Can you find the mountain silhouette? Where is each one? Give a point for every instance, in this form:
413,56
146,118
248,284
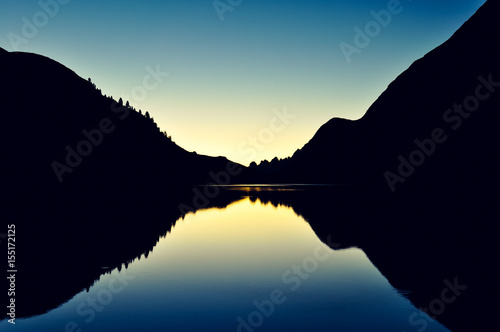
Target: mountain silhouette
61,133
410,109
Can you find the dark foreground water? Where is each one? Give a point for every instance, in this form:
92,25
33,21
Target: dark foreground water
247,267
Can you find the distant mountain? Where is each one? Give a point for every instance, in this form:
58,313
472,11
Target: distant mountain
455,87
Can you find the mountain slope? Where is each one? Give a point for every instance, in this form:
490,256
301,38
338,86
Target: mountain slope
411,108
48,112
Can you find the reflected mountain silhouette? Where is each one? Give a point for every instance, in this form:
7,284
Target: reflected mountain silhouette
60,258
417,254
414,256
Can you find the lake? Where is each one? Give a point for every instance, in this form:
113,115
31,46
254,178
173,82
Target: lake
250,266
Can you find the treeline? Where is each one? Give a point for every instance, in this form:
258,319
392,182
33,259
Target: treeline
131,108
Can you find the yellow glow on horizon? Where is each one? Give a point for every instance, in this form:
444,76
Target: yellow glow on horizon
256,232
248,133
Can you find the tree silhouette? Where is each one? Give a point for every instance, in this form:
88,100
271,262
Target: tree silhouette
147,115
166,135
120,102
93,84
127,104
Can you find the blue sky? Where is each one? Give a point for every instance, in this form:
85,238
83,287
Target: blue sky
228,79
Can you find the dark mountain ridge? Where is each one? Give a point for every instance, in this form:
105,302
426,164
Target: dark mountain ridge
412,106
46,109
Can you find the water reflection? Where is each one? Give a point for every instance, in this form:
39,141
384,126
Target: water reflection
249,267
262,187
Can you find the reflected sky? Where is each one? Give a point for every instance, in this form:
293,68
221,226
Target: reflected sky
217,267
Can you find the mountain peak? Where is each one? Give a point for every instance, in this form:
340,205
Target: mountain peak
414,104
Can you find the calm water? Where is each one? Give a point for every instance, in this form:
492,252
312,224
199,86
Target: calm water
248,267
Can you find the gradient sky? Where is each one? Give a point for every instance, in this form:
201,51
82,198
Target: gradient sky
228,78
